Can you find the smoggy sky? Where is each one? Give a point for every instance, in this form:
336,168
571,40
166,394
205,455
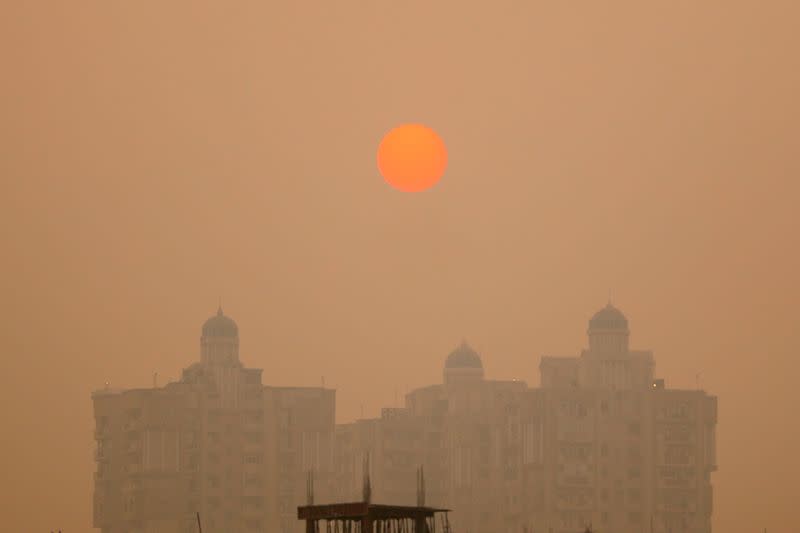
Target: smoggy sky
155,156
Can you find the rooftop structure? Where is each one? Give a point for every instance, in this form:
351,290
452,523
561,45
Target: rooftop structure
365,516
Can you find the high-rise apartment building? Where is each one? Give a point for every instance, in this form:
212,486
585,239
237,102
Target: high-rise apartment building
463,432
600,442
217,442
605,443
300,438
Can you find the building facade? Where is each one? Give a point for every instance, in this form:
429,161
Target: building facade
605,443
217,442
601,441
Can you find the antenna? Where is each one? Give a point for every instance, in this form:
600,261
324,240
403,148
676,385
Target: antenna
199,526
155,380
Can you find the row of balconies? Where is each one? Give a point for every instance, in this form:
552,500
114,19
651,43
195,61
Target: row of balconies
101,455
673,507
131,425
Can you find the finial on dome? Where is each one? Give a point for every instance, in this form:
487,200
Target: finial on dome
219,308
608,318
463,357
220,325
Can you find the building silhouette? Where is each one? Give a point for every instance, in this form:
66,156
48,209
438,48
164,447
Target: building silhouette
604,442
217,442
601,441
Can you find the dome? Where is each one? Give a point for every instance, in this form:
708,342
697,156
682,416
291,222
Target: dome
220,325
463,357
609,317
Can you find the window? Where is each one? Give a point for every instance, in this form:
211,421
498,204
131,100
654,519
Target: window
254,437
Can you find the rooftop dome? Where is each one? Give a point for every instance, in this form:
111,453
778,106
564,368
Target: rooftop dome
608,317
220,325
463,357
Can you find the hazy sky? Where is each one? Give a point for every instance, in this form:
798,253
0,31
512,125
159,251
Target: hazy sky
157,155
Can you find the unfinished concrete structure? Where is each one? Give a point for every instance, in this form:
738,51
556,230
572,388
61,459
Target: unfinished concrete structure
367,517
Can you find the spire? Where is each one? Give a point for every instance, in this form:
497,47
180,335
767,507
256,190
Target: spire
219,308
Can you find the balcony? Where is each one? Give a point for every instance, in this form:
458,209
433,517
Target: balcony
253,490
132,486
132,512
574,481
254,525
252,447
677,507
251,511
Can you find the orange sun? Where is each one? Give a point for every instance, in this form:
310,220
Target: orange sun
412,157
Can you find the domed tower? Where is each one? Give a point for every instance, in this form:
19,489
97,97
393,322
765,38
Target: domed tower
463,365
608,331
219,343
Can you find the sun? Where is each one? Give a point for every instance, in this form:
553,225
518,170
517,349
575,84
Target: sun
412,157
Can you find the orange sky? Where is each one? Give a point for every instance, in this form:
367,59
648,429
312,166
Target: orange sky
154,156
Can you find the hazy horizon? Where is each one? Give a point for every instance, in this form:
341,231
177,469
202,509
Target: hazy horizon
157,158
